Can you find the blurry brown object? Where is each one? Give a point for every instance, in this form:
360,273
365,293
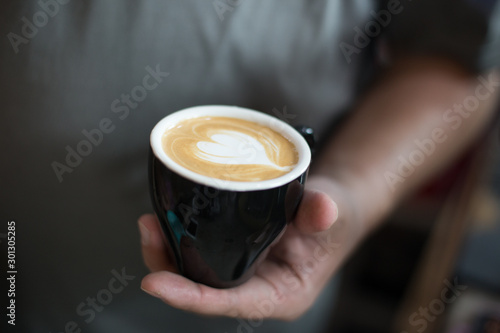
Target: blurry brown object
406,264
439,255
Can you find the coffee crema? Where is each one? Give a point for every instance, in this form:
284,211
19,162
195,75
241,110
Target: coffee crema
229,149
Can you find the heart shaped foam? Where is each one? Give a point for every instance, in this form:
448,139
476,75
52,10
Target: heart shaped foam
235,148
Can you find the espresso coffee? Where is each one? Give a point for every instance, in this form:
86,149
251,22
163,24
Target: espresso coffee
229,149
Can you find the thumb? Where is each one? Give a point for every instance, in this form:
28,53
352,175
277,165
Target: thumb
317,212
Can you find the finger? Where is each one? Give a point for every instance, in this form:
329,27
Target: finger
317,212
154,249
257,298
185,294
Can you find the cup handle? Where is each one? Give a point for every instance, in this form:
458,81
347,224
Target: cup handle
308,134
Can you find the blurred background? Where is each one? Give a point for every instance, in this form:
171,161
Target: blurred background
435,266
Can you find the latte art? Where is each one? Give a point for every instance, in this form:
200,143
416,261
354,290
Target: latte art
229,149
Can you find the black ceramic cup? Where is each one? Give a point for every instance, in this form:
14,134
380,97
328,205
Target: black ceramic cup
219,230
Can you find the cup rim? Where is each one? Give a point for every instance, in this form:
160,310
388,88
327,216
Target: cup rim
234,112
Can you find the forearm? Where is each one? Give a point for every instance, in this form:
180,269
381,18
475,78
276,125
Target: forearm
408,104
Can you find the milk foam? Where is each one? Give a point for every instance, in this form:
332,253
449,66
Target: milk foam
229,147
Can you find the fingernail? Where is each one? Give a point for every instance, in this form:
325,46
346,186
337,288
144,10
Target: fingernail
145,234
151,293
336,215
